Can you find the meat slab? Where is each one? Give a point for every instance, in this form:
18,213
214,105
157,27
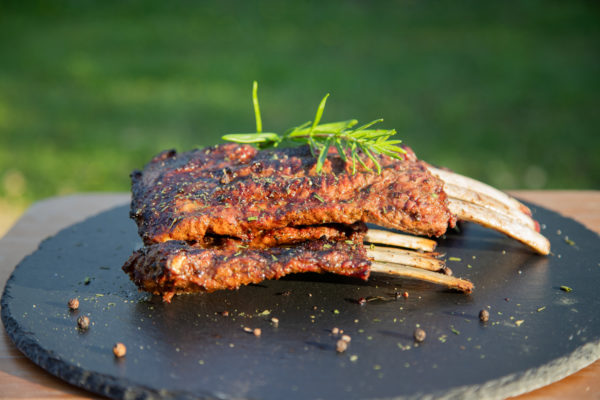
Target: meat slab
175,267
257,195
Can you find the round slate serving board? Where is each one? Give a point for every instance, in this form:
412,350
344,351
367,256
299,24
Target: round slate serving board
196,346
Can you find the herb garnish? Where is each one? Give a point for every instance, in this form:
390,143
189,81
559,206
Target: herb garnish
320,137
319,198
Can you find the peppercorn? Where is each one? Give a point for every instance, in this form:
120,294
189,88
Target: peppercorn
119,350
83,322
419,335
73,304
341,346
484,315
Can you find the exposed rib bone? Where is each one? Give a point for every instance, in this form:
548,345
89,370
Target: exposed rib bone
410,258
466,182
399,240
422,275
481,199
481,215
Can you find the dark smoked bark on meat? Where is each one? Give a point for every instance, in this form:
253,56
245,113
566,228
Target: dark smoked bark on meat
239,191
175,267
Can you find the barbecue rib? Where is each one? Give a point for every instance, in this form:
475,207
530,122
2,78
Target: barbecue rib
231,215
176,267
216,263
239,191
236,190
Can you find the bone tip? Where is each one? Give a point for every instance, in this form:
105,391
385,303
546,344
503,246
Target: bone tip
545,250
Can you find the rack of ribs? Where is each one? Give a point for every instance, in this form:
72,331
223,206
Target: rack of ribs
237,190
217,262
275,201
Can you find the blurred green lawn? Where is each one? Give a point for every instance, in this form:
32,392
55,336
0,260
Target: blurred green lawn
506,92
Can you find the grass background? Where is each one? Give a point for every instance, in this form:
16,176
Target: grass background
506,92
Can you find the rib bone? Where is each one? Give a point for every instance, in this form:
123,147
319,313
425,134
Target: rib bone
475,201
483,216
488,202
399,240
466,182
422,275
404,257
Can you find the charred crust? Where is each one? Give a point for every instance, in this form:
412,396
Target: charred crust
164,155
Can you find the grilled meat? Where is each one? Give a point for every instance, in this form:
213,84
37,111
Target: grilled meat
298,234
239,191
176,267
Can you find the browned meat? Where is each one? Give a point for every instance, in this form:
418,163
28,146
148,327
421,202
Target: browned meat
298,234
239,191
175,267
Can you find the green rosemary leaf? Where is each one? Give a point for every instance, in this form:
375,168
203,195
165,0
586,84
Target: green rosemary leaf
376,134
365,126
336,126
323,155
298,130
320,110
320,137
252,137
393,154
360,160
329,129
354,156
256,107
368,153
313,145
340,149
394,142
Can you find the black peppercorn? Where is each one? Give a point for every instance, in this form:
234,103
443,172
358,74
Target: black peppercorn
119,350
419,335
73,304
484,315
83,322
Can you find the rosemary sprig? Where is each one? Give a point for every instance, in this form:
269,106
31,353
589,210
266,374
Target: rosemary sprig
320,137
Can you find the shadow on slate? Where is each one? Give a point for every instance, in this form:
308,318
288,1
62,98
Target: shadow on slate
536,334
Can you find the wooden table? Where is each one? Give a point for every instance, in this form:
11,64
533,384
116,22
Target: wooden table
21,378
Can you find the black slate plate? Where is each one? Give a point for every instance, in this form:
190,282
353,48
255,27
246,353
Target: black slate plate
537,332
